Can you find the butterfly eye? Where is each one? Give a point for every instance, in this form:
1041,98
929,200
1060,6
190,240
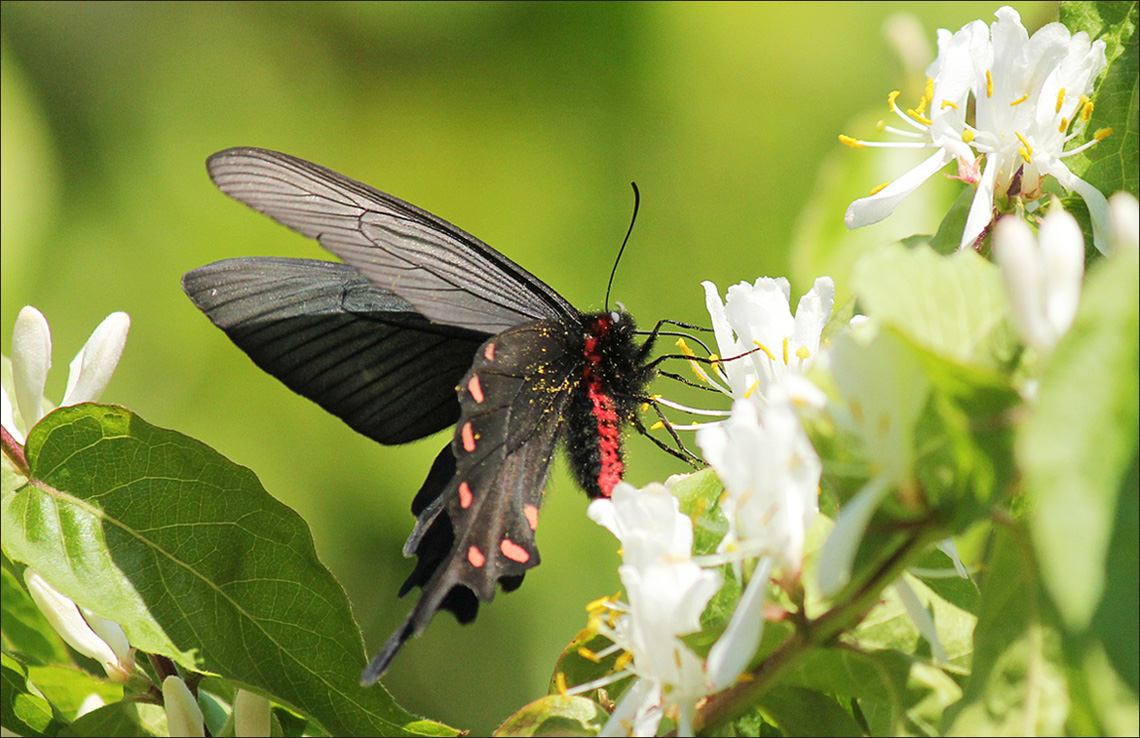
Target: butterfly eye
615,316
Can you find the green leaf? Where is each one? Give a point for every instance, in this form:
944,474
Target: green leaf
66,687
187,551
126,719
22,711
699,496
26,631
953,306
555,714
1077,449
797,711
896,692
1112,164
1018,682
576,665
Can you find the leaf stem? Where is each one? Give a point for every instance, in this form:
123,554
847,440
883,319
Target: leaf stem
14,451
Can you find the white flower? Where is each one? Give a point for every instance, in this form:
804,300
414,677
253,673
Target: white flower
183,715
1124,223
755,322
1031,98
667,593
771,478
84,631
884,390
1042,274
87,377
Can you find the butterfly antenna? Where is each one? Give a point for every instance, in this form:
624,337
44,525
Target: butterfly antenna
636,203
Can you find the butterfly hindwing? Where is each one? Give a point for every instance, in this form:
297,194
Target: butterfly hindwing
450,276
512,403
360,352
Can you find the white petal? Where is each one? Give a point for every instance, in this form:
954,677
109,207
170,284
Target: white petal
183,715
1063,261
1015,250
90,703
734,650
31,360
638,701
7,419
982,206
876,207
838,553
93,366
251,715
1124,222
64,616
947,547
1094,200
921,619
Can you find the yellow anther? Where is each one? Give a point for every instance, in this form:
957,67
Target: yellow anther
598,605
560,683
684,347
755,386
1060,99
848,141
1087,111
1064,125
989,84
765,350
917,115
785,352
623,660
714,358
968,136
589,655
1020,100
1102,134
880,188
948,104
803,353
1026,151
644,407
929,91
657,426
880,125
891,99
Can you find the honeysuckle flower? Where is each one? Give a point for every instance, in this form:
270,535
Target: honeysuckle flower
771,478
1124,223
756,319
883,391
1030,99
667,592
83,630
183,715
88,373
251,715
1042,274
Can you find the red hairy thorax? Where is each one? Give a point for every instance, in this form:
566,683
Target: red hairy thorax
602,408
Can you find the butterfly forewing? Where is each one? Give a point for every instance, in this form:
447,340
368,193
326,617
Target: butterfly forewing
360,352
450,276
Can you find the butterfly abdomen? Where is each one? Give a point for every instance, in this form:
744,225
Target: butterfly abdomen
603,402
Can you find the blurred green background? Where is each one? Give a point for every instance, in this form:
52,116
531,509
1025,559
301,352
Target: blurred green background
523,124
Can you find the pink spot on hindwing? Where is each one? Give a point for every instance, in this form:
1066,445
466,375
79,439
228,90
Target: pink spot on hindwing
489,352
465,495
476,557
468,436
475,388
531,513
514,551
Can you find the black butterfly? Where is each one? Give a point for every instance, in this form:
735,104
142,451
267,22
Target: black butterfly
422,327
